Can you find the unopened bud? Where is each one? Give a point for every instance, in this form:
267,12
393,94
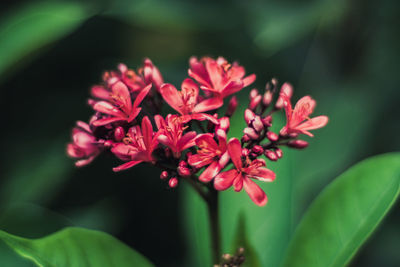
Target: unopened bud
108,143
224,124
257,124
257,149
251,133
279,153
267,98
254,102
245,138
271,155
119,134
249,116
253,94
184,171
173,182
164,175
286,89
267,121
182,163
272,136
245,152
299,144
233,103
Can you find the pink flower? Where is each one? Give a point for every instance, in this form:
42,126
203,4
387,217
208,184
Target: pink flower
170,133
138,146
218,77
240,177
210,153
84,146
186,101
295,117
119,107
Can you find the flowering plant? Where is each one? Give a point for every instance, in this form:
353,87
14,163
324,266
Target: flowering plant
191,144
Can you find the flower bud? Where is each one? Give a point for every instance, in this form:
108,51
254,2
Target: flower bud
272,136
279,153
245,152
257,150
108,143
299,144
183,163
184,171
267,98
257,124
164,175
173,182
251,133
267,121
245,138
253,94
233,103
119,134
271,155
254,102
249,116
286,89
224,124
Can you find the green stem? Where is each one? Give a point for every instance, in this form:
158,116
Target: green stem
212,204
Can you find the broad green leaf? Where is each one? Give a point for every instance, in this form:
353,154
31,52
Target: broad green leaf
343,216
75,247
197,228
251,257
32,26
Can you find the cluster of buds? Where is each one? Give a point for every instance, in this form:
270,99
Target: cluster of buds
235,260
191,142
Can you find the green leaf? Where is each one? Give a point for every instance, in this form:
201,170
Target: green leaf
75,247
32,26
251,257
343,216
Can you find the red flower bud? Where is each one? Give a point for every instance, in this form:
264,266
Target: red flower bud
299,144
233,103
267,98
119,134
184,171
286,89
183,163
251,133
245,152
257,124
254,102
173,182
271,155
279,153
224,124
257,149
253,94
164,175
267,121
245,138
272,136
249,116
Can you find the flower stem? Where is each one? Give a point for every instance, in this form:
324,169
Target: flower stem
212,204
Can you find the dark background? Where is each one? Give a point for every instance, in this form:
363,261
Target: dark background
343,53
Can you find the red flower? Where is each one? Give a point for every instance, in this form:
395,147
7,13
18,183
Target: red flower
84,146
138,146
219,77
295,117
170,133
185,101
210,153
119,106
240,177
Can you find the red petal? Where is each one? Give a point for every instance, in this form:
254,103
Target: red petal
209,173
314,123
147,131
120,90
126,165
107,108
208,104
262,174
100,92
141,96
105,121
255,192
190,87
215,73
199,160
207,140
186,141
249,80
172,96
224,180
232,87
235,152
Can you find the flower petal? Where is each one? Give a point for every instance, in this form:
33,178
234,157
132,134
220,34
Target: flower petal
224,180
172,97
235,152
107,108
141,96
262,174
126,165
255,192
314,123
210,172
249,80
232,87
186,141
105,121
120,90
208,104
100,92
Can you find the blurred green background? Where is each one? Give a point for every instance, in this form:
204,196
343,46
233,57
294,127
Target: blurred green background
343,53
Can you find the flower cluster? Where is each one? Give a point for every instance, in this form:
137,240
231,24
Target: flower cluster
192,142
